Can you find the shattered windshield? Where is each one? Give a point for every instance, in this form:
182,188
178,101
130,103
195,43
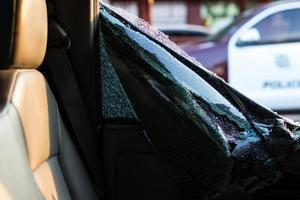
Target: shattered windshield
211,140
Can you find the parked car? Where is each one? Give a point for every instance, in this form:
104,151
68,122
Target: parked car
185,33
258,54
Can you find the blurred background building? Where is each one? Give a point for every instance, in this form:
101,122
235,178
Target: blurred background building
214,14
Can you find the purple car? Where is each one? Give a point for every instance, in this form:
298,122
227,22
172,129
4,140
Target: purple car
258,54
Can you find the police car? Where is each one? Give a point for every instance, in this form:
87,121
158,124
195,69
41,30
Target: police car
259,54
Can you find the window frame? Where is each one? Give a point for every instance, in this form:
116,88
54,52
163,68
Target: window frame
234,40
283,40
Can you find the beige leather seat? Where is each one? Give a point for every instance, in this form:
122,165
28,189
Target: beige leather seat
37,157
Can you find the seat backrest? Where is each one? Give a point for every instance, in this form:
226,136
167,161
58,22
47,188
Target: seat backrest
37,157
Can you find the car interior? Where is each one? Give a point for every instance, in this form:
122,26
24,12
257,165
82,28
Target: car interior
67,130
55,142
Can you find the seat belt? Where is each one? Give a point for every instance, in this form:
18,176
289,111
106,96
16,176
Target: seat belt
67,88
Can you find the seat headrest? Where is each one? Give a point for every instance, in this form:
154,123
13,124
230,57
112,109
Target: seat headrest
23,35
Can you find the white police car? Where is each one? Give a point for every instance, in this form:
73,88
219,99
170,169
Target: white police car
259,54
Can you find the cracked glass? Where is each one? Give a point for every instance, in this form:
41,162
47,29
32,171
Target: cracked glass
212,141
